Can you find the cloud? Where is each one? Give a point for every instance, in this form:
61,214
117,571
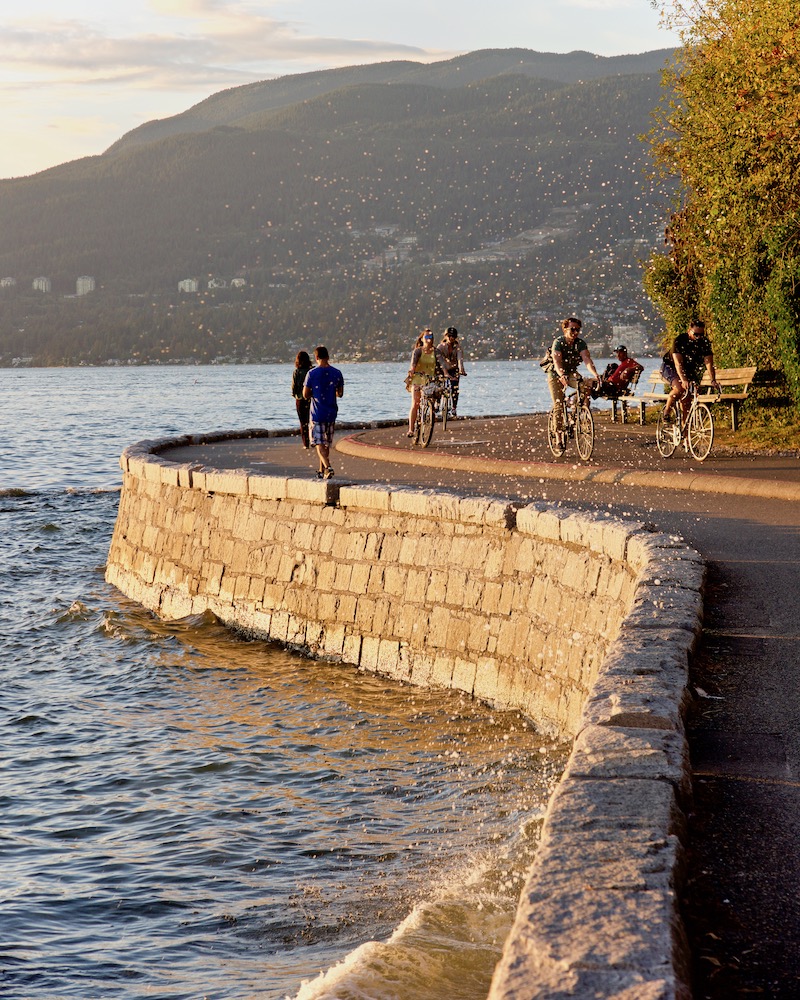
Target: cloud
225,45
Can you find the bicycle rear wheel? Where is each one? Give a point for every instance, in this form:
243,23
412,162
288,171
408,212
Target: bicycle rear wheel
427,416
700,432
556,437
584,432
668,432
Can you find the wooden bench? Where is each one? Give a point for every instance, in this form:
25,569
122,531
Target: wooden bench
624,397
734,386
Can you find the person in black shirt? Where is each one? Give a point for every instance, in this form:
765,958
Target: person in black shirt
691,352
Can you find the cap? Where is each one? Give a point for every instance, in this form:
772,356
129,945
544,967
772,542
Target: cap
451,331
621,347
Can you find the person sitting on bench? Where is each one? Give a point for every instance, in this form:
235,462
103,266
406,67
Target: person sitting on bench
617,377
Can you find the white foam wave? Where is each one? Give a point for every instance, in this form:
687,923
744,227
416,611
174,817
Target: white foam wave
448,946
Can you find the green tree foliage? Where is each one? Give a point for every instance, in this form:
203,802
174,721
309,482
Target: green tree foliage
729,129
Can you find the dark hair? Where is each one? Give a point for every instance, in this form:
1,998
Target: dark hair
570,321
321,353
302,360
698,322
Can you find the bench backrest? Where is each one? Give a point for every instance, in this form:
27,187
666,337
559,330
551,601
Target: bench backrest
656,381
732,376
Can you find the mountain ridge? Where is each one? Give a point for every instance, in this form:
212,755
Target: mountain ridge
458,71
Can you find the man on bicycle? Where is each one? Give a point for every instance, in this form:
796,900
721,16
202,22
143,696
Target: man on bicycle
453,361
684,363
566,354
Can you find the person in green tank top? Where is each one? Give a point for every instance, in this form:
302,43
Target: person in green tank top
425,365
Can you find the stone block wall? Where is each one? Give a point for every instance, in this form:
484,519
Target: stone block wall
433,589
583,622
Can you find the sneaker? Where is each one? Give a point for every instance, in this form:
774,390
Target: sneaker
454,415
319,473
410,434
328,473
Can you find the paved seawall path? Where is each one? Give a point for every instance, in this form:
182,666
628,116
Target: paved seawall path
742,901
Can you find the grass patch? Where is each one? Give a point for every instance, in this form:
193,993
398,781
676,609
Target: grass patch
764,431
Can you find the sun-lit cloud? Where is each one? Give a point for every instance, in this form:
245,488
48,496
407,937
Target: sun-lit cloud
234,46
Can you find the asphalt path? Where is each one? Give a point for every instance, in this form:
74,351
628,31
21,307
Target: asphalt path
742,900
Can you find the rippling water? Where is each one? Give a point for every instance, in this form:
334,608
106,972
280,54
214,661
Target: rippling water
185,814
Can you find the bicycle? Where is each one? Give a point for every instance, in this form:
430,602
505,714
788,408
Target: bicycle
572,419
426,413
446,402
695,431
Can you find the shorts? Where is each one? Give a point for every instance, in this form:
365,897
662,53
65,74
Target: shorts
668,373
322,433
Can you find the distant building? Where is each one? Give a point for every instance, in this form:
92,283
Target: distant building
84,285
238,282
217,283
7,282
189,285
42,285
634,337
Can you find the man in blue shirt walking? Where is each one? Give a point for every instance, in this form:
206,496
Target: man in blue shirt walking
323,386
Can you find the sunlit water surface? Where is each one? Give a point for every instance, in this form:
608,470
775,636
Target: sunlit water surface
184,814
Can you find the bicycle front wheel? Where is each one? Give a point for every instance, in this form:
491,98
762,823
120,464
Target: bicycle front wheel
427,417
700,432
556,437
584,433
668,432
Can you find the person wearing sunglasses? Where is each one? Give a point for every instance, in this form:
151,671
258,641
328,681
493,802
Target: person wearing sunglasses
565,356
426,364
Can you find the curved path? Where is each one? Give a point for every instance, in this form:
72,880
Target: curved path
742,905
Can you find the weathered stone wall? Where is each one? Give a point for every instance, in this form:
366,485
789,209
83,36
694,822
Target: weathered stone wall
583,622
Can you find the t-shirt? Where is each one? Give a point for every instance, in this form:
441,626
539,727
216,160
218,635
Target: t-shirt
323,381
693,353
570,353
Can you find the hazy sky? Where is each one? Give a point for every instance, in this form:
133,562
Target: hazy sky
76,76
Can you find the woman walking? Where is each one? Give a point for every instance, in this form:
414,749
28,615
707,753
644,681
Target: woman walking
302,366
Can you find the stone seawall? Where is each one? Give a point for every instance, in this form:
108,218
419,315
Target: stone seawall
584,623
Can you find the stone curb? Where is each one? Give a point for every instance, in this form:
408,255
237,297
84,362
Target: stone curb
694,481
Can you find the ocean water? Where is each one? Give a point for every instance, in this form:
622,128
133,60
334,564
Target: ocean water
185,814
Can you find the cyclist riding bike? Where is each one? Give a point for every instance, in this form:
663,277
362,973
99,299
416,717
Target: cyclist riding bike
450,352
425,365
683,364
564,358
